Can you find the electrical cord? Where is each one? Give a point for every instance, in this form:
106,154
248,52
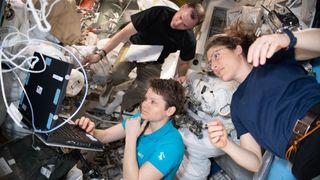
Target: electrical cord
81,103
40,18
42,14
28,42
18,55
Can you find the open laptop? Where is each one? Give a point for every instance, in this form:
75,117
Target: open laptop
46,91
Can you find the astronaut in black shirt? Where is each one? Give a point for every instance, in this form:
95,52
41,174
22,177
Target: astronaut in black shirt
159,25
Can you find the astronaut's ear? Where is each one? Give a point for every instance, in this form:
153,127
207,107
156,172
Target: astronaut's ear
171,110
238,50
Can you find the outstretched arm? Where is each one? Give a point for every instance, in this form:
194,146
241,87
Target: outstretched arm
182,69
247,154
111,134
307,46
123,35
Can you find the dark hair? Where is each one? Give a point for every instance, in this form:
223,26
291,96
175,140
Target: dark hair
198,13
171,91
237,34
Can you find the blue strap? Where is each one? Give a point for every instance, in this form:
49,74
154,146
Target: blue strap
292,38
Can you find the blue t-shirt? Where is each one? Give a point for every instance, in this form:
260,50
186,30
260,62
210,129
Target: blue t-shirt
164,149
271,99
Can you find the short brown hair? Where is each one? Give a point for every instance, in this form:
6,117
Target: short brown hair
198,12
171,91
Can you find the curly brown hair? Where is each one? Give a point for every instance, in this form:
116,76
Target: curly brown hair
171,91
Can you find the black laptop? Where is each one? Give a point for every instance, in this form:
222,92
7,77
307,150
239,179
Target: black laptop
46,91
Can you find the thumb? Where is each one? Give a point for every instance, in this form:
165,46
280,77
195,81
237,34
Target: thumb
85,61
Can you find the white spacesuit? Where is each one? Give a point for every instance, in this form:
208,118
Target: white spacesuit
208,98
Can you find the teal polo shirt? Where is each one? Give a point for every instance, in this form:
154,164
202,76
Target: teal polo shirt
163,148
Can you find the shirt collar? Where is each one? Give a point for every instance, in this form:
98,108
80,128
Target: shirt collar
155,136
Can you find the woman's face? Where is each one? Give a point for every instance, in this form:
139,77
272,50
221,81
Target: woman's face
224,62
153,107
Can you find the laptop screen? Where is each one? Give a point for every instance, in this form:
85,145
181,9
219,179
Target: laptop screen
45,90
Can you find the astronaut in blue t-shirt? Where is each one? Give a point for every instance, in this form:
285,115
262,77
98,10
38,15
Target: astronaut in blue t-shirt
153,146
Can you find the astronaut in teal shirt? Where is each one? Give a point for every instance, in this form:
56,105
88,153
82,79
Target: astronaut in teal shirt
163,148
154,148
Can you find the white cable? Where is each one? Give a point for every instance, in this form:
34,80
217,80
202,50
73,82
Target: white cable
124,10
4,94
27,60
28,42
291,4
9,110
23,89
42,13
82,101
85,93
40,18
26,94
42,22
18,55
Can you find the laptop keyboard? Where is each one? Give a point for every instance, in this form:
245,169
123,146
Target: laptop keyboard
69,131
73,136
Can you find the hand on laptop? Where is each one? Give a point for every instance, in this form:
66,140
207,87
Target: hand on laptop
86,124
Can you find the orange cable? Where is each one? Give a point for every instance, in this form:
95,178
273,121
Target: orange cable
293,147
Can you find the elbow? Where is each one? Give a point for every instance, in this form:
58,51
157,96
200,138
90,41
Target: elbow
252,165
253,169
256,167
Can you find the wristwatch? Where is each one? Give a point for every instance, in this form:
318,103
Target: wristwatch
101,52
292,38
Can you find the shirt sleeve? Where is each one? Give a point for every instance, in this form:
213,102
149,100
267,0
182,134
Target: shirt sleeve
123,123
142,20
188,49
240,128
